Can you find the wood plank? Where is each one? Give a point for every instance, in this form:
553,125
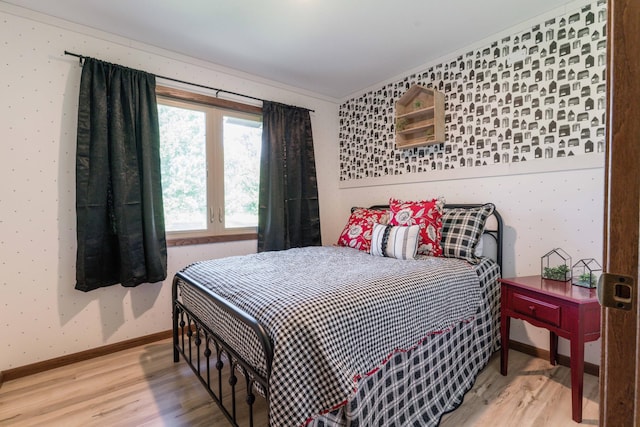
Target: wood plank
183,95
34,368
534,393
589,368
620,373
142,386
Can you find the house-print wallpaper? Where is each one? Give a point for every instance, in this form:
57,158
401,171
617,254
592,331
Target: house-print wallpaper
530,96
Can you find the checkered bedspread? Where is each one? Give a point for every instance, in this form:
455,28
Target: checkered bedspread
335,316
418,386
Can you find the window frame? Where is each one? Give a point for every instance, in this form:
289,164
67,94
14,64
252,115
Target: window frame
183,238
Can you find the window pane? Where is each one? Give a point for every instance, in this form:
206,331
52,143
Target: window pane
242,144
184,168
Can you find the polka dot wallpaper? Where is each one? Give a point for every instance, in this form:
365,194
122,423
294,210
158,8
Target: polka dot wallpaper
41,315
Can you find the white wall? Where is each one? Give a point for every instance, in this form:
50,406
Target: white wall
41,315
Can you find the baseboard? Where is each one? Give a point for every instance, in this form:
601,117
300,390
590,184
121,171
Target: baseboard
563,360
34,368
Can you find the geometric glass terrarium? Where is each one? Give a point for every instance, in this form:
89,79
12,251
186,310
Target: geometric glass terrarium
556,265
586,273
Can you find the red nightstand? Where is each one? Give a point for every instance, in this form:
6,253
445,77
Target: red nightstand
571,312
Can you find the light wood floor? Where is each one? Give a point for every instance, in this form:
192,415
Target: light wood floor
143,387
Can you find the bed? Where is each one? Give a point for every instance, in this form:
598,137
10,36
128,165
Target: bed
333,336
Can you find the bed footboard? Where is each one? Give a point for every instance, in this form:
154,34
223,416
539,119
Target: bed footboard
208,354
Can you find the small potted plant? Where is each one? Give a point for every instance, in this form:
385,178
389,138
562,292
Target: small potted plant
586,273
556,265
558,272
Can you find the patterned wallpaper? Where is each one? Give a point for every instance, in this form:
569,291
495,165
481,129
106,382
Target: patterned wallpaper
530,96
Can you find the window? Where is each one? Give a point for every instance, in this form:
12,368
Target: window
210,159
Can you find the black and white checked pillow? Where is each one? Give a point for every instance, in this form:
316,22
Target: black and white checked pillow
395,241
462,230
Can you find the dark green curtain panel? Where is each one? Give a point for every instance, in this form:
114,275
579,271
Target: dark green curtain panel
289,215
120,218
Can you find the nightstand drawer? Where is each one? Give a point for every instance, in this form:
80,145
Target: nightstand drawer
536,309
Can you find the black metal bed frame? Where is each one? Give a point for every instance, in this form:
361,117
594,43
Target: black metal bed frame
194,340
204,350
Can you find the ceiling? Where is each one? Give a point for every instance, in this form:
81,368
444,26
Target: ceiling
334,48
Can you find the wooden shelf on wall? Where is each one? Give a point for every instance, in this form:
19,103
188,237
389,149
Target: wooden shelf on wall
419,117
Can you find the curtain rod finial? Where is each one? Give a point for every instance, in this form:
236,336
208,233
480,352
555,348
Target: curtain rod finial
80,57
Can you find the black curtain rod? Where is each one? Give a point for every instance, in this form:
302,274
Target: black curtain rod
217,91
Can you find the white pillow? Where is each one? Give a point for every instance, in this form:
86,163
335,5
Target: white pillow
395,241
479,248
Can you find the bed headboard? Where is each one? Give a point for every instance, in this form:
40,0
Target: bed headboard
493,229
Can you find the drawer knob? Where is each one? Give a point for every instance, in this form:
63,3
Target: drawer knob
532,307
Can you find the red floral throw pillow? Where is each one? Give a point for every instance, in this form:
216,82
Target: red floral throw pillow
425,213
357,232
